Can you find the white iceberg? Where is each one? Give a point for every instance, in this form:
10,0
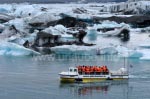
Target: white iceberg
58,30
146,54
114,27
3,10
25,10
107,24
145,46
74,50
19,24
18,39
5,17
43,18
106,51
84,50
12,49
130,53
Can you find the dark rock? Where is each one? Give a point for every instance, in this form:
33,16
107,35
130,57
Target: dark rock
46,40
26,44
52,23
36,24
105,29
81,35
81,24
80,10
43,9
124,34
69,21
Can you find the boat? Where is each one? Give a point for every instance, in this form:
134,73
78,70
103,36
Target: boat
87,74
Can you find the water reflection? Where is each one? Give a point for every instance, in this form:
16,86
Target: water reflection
82,89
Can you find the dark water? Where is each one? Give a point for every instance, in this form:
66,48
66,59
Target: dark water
34,78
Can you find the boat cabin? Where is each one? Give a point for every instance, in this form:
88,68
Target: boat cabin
73,70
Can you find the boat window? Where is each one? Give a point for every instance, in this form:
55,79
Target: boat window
70,70
75,70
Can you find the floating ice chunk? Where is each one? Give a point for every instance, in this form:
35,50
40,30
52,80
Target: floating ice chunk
114,32
8,32
145,58
24,10
21,40
144,45
146,54
125,52
2,27
107,51
12,49
122,51
74,50
19,24
43,18
2,10
5,17
135,54
58,30
108,24
5,8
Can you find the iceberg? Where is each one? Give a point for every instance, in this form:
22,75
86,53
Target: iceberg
43,18
8,32
19,24
21,40
25,10
145,46
73,50
57,30
109,28
62,31
130,53
5,17
106,51
3,10
146,54
1,28
108,24
12,49
84,50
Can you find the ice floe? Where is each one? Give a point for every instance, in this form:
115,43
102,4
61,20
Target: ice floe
12,49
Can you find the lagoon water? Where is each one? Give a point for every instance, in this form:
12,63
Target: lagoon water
35,78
